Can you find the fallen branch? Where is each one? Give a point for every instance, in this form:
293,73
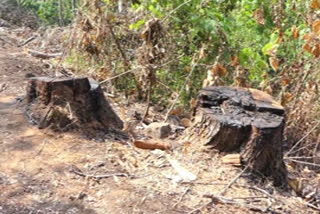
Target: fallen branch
77,171
43,55
305,163
27,41
313,206
216,199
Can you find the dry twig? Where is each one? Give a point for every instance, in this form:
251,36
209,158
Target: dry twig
77,171
182,196
304,137
27,41
222,192
193,66
223,200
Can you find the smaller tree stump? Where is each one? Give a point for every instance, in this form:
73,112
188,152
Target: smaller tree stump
242,120
68,103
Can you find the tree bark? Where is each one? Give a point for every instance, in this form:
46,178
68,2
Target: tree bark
242,120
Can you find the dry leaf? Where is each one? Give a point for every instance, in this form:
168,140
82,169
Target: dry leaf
93,37
295,184
186,122
316,27
314,4
295,32
258,16
193,103
264,75
285,81
316,50
186,147
218,70
234,60
307,48
274,63
307,37
286,98
178,111
151,144
279,40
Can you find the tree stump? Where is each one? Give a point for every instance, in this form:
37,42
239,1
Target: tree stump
242,120
68,103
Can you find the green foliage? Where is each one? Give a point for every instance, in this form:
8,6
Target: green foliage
48,10
258,33
226,29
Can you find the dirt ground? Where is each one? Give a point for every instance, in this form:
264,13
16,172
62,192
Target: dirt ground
48,172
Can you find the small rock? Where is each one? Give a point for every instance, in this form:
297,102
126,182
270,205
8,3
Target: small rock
29,75
158,129
174,120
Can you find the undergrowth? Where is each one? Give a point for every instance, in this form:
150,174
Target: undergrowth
171,49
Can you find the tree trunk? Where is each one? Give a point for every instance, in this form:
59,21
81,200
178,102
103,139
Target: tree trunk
63,104
242,120
73,5
60,9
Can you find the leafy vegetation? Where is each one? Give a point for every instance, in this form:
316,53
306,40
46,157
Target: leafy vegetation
270,45
48,11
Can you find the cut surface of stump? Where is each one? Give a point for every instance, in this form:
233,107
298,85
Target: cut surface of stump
68,103
242,120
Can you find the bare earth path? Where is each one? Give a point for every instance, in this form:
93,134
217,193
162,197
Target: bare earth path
37,168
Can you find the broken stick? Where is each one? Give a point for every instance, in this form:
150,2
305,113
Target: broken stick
43,55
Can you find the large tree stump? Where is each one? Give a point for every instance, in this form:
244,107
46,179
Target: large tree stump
68,103
242,120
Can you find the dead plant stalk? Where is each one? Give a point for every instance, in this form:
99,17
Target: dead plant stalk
193,66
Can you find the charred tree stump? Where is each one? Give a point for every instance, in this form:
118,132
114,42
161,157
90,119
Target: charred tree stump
242,120
68,103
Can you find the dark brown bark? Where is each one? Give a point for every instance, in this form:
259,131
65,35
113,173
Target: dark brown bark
242,120
68,103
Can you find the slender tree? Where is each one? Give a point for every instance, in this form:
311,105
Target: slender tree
60,12
73,5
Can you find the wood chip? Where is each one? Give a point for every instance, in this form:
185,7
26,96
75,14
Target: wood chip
152,144
233,159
